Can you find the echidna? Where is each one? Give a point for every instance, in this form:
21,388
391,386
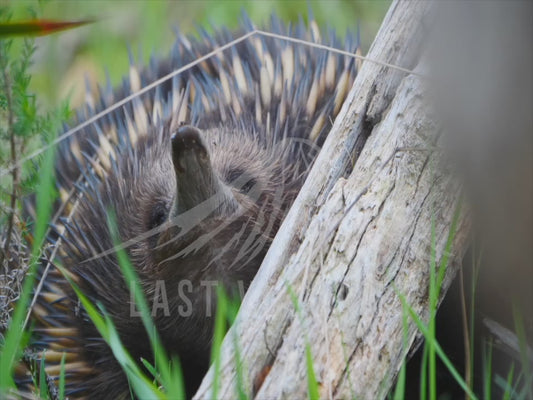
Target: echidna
199,173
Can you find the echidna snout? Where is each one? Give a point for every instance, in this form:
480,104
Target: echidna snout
217,228
197,181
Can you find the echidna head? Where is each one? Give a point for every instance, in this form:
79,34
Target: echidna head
195,206
194,209
227,205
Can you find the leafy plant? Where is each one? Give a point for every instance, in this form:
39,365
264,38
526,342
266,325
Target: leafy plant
23,127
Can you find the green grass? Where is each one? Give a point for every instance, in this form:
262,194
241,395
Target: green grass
23,126
61,385
169,371
16,337
24,109
399,390
219,332
167,382
240,388
527,372
432,349
141,384
487,371
105,45
226,314
511,387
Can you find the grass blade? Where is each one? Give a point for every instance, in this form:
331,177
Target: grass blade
399,391
312,384
12,345
61,388
425,331
164,366
218,336
38,27
487,371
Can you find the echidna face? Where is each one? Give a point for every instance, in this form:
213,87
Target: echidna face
197,181
227,201
225,197
194,209
190,205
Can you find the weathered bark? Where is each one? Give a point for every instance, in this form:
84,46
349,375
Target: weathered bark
357,236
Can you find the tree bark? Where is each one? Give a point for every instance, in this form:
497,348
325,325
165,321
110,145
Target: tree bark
358,235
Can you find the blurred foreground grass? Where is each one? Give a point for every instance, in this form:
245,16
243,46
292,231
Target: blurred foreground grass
63,60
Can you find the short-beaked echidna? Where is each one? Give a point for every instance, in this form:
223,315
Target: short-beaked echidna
198,173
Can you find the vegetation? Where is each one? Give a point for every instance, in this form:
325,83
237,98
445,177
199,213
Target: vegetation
25,127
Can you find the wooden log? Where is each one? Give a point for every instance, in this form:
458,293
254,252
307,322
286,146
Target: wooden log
359,234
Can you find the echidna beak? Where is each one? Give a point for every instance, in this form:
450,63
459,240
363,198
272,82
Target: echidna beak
196,181
188,149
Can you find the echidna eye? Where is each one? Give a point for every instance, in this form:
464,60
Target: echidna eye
240,180
158,215
248,185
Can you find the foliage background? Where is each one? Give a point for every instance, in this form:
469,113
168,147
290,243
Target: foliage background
64,60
